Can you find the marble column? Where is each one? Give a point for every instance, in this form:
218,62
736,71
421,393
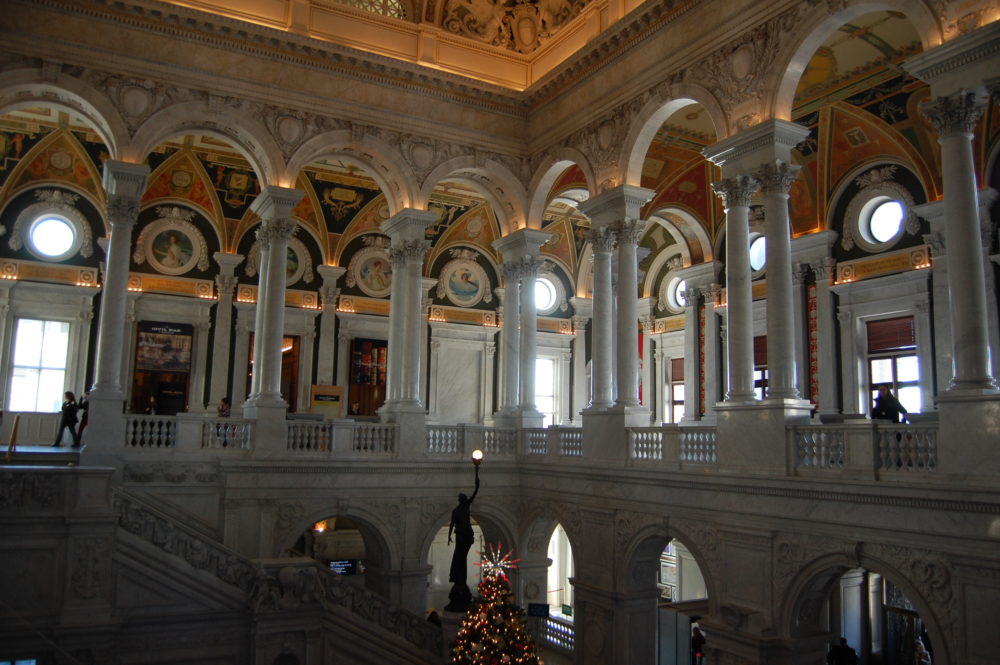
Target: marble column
776,179
510,336
692,352
954,118
225,282
647,318
327,351
602,241
124,184
828,401
736,193
583,309
627,235
521,249
274,207
529,333
407,250
713,359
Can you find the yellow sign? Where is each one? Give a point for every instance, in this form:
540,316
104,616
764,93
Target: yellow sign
327,400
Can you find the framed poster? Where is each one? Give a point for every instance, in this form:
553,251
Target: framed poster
164,347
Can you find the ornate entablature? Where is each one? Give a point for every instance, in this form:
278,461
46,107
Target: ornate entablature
517,25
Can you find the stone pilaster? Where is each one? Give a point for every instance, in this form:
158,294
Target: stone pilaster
510,337
627,234
602,242
583,310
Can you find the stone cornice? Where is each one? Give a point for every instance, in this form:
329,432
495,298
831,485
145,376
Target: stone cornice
612,43
955,54
264,42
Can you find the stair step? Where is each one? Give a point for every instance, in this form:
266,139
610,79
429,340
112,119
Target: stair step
40,456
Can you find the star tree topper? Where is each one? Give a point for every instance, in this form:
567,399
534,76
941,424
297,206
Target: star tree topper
495,563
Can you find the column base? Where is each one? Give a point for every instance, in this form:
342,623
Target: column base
104,438
752,438
604,431
412,421
270,429
971,419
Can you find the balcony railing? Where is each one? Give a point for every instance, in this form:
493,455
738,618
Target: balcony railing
858,448
557,633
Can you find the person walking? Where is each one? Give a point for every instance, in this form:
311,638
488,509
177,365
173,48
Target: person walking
68,419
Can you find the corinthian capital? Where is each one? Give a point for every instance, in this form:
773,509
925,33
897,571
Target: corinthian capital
954,114
407,251
123,211
225,284
777,177
629,231
601,238
736,191
275,229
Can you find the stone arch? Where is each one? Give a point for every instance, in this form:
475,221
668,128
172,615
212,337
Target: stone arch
652,116
547,174
791,62
501,188
378,159
381,548
246,133
798,610
22,89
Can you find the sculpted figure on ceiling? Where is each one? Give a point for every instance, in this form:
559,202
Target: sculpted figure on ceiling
518,25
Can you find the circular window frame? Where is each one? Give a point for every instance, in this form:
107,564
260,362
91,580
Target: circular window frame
755,273
559,302
857,216
52,204
669,292
74,245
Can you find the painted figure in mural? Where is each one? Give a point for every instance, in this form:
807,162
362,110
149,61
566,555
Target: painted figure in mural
461,524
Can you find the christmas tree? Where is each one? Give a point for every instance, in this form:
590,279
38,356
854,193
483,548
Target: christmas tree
492,632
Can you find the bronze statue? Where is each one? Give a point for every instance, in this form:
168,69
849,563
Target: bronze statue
461,522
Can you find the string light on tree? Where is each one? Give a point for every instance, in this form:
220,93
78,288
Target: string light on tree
492,631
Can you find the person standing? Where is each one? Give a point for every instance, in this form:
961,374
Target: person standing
887,407
68,419
82,408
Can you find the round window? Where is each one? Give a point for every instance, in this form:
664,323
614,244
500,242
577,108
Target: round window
758,253
52,238
675,293
884,221
545,295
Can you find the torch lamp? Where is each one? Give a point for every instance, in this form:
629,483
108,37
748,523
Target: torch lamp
477,459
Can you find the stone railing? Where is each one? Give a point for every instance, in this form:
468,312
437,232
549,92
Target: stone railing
500,441
536,441
822,447
309,436
906,448
272,587
558,634
150,431
228,433
375,439
861,448
299,584
698,445
570,441
646,443
141,519
445,439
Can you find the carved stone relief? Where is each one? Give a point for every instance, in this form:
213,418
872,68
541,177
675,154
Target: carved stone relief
517,25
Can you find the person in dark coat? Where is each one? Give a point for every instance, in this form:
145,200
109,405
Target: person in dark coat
82,408
68,419
887,407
